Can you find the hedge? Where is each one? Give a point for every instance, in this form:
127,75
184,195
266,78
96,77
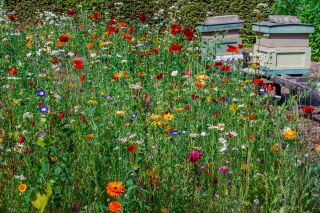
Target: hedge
186,12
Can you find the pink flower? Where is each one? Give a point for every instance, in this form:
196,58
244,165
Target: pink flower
187,73
194,156
224,169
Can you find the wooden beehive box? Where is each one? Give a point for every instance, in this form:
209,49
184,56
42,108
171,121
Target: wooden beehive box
282,45
218,31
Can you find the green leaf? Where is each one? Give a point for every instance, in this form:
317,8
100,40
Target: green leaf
42,199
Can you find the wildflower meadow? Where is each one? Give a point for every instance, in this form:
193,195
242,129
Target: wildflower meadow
101,115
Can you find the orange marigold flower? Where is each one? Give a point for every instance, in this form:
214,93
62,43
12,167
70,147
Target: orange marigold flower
115,189
115,206
200,84
22,187
275,148
90,137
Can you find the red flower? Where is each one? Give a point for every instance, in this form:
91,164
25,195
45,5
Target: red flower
32,123
12,18
54,60
143,17
175,29
269,87
251,137
307,109
128,38
159,76
232,49
226,68
71,12
82,78
223,99
112,30
131,29
175,47
12,70
188,107
216,113
195,97
26,151
21,140
60,115
188,33
96,16
78,64
240,46
207,66
218,63
64,38
258,81
155,51
114,78
132,149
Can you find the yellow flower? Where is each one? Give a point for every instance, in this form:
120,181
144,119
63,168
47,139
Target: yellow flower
289,134
120,113
179,109
233,108
168,116
154,117
202,77
22,187
157,123
317,148
29,36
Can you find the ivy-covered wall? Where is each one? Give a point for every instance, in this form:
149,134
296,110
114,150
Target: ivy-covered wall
186,12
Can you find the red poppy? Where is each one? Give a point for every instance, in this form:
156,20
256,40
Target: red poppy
64,38
226,68
112,30
12,70
71,12
155,51
218,63
269,87
232,49
216,113
21,139
188,33
144,54
114,78
12,18
60,115
96,16
132,149
78,64
127,38
240,46
223,99
26,151
307,109
131,30
82,78
175,29
289,117
258,81
143,17
188,107
175,47
159,76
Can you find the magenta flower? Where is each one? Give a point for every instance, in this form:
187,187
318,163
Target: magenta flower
224,169
194,156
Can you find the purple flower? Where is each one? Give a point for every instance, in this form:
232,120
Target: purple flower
43,109
41,93
194,156
262,90
224,169
174,133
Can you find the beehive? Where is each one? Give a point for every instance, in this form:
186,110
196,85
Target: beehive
282,45
219,31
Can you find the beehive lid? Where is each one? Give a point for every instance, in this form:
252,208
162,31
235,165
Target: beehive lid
220,23
283,25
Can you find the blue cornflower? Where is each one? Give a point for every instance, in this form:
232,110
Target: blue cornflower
134,116
43,109
108,96
41,93
262,90
227,99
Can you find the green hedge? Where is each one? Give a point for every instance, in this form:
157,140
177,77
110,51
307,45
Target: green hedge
187,12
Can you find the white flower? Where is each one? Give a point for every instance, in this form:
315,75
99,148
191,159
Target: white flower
193,135
204,134
222,140
174,73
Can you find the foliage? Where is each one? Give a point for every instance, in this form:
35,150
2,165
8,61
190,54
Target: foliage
309,12
186,12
